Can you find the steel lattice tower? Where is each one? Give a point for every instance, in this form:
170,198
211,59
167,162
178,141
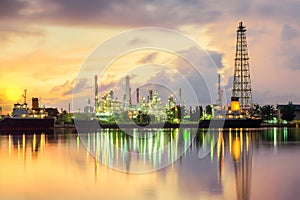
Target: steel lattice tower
242,82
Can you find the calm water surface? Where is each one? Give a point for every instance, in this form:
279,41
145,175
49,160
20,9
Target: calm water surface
240,164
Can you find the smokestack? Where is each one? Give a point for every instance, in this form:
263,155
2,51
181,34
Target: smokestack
127,90
130,95
96,93
180,97
137,95
220,92
35,103
150,94
89,105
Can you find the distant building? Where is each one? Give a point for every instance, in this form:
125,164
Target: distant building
52,112
88,109
297,110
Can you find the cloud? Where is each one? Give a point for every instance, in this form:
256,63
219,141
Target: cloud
63,89
113,12
149,58
146,13
137,41
10,8
289,32
81,85
289,50
273,27
9,33
295,61
72,87
217,58
131,13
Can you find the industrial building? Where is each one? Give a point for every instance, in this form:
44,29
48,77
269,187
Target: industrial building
296,111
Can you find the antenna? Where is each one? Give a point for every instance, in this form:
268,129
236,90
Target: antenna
24,96
242,82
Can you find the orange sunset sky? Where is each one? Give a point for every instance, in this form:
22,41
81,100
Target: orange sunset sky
45,42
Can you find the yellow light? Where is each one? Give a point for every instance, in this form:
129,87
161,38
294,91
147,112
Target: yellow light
13,93
236,149
235,105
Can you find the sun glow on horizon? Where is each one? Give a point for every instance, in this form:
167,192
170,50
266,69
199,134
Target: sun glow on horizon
13,93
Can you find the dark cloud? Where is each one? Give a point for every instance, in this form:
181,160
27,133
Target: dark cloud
164,13
289,32
137,41
229,84
203,58
113,12
289,50
278,11
149,58
81,84
195,89
72,87
228,89
295,61
64,88
107,85
11,8
217,58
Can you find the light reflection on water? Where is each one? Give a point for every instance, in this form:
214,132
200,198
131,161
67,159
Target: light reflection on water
244,164
143,150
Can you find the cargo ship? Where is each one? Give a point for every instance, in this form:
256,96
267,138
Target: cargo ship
26,123
23,118
213,123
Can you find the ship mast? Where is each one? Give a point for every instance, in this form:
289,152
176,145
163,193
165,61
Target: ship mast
24,96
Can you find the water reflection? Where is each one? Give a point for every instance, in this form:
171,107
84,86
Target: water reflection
143,150
244,164
242,157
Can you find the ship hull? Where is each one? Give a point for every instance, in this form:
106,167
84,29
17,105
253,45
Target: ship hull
230,123
26,124
215,123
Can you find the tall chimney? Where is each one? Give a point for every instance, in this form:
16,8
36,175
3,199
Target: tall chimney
150,94
127,90
96,93
180,97
137,95
130,95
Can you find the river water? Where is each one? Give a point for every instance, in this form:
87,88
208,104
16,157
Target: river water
173,164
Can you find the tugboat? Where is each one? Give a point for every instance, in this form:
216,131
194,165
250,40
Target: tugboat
23,118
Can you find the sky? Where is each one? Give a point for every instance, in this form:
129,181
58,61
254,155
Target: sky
45,43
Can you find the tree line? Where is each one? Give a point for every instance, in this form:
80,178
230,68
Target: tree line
268,112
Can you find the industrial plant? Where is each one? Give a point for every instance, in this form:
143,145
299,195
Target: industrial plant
146,109
150,108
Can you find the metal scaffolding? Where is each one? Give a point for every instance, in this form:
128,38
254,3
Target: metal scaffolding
242,82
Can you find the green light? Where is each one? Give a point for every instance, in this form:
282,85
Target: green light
89,142
186,134
275,137
285,134
78,142
212,142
